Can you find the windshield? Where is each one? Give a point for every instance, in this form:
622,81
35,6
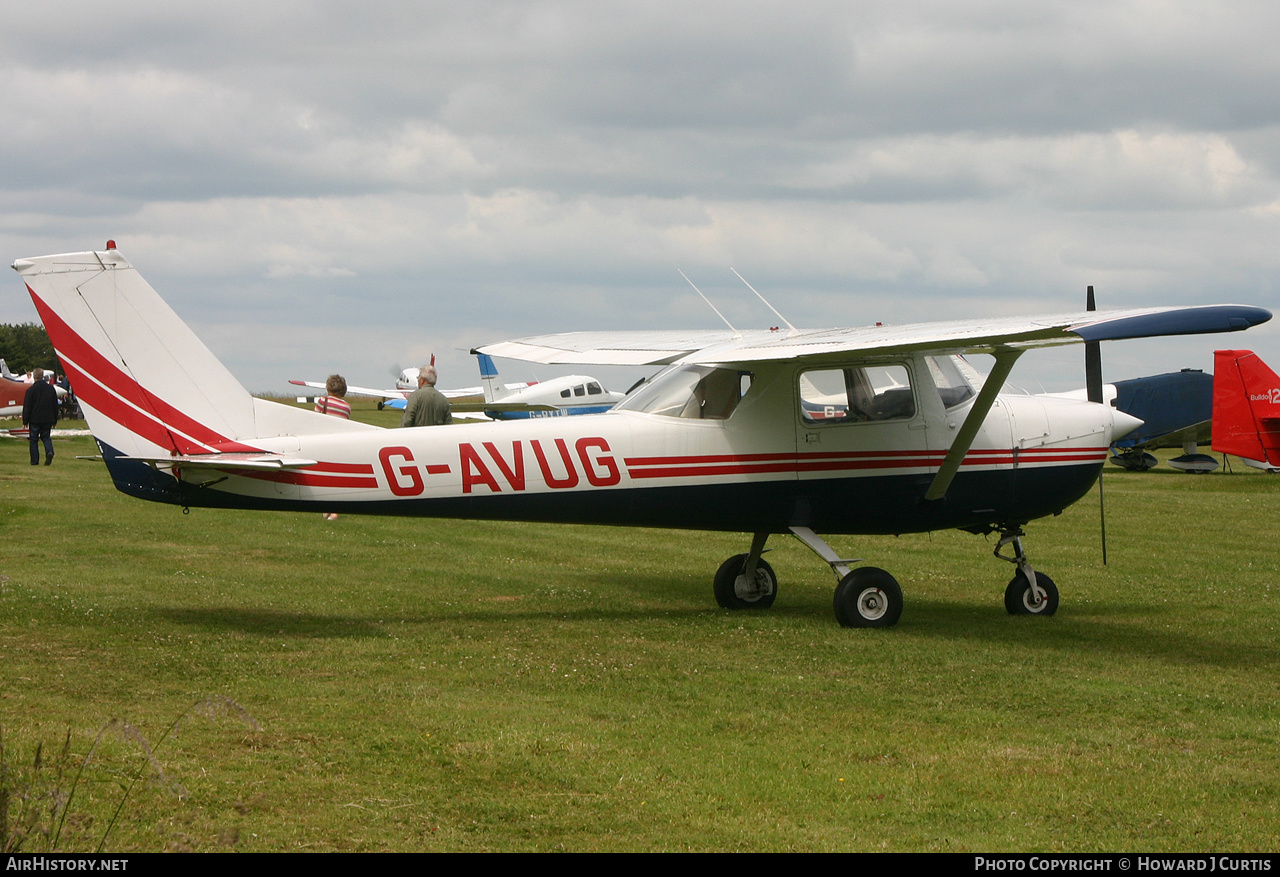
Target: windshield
696,392
949,377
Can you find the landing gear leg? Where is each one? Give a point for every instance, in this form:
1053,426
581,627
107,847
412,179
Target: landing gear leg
865,597
1030,592
746,581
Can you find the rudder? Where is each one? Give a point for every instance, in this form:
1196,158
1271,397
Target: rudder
149,387
1246,406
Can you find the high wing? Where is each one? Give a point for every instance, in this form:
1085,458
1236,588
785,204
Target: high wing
1005,333
1005,338
610,348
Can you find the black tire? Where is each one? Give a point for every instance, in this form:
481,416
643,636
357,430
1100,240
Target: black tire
731,594
1017,597
868,597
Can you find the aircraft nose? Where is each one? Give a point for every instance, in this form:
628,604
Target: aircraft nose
1122,424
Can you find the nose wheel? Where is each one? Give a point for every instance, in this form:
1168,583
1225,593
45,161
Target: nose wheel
1030,592
1021,599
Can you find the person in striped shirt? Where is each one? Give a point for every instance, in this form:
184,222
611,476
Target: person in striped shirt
334,405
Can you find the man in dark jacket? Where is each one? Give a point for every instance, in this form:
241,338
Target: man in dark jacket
40,413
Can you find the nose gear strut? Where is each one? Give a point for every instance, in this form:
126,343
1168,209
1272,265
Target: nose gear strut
1030,592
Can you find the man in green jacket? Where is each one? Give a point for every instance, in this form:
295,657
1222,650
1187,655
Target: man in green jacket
427,406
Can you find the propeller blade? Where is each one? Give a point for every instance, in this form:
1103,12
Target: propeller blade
1092,359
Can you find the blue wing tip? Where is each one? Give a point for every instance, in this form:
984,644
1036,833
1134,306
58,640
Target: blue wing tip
1185,321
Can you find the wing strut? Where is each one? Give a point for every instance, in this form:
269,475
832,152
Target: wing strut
1005,358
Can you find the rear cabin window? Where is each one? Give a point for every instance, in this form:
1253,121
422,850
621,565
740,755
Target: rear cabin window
858,394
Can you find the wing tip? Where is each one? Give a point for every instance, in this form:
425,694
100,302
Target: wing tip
1196,320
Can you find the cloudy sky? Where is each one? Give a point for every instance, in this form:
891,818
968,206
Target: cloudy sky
320,186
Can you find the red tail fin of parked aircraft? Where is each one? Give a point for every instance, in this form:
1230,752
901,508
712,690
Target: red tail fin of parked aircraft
1246,406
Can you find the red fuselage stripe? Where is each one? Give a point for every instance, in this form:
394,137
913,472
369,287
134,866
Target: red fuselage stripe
307,478
345,468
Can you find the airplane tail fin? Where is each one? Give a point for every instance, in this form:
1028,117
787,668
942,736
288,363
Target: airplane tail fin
5,373
1246,406
149,387
493,388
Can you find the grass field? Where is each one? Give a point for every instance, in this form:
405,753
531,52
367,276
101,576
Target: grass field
450,685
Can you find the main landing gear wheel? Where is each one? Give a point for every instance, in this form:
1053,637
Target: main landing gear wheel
735,591
868,597
1020,600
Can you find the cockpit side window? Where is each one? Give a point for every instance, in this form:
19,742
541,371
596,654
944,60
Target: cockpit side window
857,394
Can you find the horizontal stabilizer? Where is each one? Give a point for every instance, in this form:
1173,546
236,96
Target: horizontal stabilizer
274,462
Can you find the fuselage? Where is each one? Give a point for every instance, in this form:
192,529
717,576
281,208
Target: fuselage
723,449
14,391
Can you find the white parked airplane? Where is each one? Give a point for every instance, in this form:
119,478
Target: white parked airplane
572,394
720,440
557,397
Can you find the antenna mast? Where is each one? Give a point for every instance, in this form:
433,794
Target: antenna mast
736,334
794,330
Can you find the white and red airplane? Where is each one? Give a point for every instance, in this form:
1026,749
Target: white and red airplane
13,389
722,439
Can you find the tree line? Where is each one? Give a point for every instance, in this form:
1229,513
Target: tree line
25,346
